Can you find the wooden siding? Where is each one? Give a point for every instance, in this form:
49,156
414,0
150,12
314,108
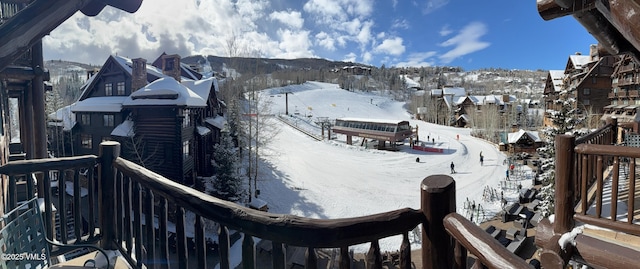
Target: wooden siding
161,130
96,129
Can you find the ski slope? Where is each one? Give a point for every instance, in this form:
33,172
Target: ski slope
330,179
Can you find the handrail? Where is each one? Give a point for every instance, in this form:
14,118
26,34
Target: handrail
287,229
28,166
593,135
608,150
479,243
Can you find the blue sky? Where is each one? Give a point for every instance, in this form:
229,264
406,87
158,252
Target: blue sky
470,34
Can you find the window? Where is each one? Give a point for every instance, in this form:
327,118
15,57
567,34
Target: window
87,141
586,91
85,119
108,89
186,120
586,102
185,149
120,88
108,120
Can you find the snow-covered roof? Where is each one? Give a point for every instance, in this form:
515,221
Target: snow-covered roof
126,64
410,82
99,104
165,91
458,99
124,129
465,117
64,118
454,91
557,77
436,92
514,137
579,61
200,87
203,130
371,120
218,122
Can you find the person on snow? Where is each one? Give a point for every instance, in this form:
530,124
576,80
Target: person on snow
453,170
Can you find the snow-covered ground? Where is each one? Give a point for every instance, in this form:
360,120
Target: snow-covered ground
330,179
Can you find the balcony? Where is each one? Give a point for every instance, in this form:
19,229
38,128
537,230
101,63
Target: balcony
115,186
612,95
634,94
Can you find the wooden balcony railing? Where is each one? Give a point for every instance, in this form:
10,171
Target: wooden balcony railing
634,93
139,211
612,95
583,166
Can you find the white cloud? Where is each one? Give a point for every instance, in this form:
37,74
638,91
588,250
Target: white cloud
465,42
394,3
391,46
418,59
291,18
445,31
294,44
351,57
367,57
433,5
326,41
400,24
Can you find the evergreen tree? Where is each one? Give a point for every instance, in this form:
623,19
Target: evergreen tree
226,183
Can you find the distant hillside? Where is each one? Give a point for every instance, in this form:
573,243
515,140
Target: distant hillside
264,65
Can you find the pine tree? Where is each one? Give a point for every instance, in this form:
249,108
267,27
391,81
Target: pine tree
226,183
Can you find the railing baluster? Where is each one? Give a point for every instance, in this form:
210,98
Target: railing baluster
120,210
151,233
614,189
311,259
137,222
248,252
201,247
460,257
31,192
48,210
77,213
13,193
62,205
128,205
278,255
163,234
223,238
405,252
632,190
182,239
599,189
584,199
92,202
345,258
374,259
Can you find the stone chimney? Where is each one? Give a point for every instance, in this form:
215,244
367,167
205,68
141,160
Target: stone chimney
171,66
138,74
593,52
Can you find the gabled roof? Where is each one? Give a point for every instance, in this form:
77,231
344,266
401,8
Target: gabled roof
63,117
202,87
165,91
185,69
557,78
577,62
124,129
514,137
218,122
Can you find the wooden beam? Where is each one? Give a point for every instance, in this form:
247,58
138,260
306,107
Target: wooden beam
21,73
602,254
488,250
551,9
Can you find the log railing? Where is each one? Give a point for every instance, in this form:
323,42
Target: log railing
588,183
78,202
128,198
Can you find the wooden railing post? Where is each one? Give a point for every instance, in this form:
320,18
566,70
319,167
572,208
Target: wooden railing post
565,185
109,151
438,198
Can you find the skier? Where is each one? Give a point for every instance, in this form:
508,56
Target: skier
453,170
481,160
